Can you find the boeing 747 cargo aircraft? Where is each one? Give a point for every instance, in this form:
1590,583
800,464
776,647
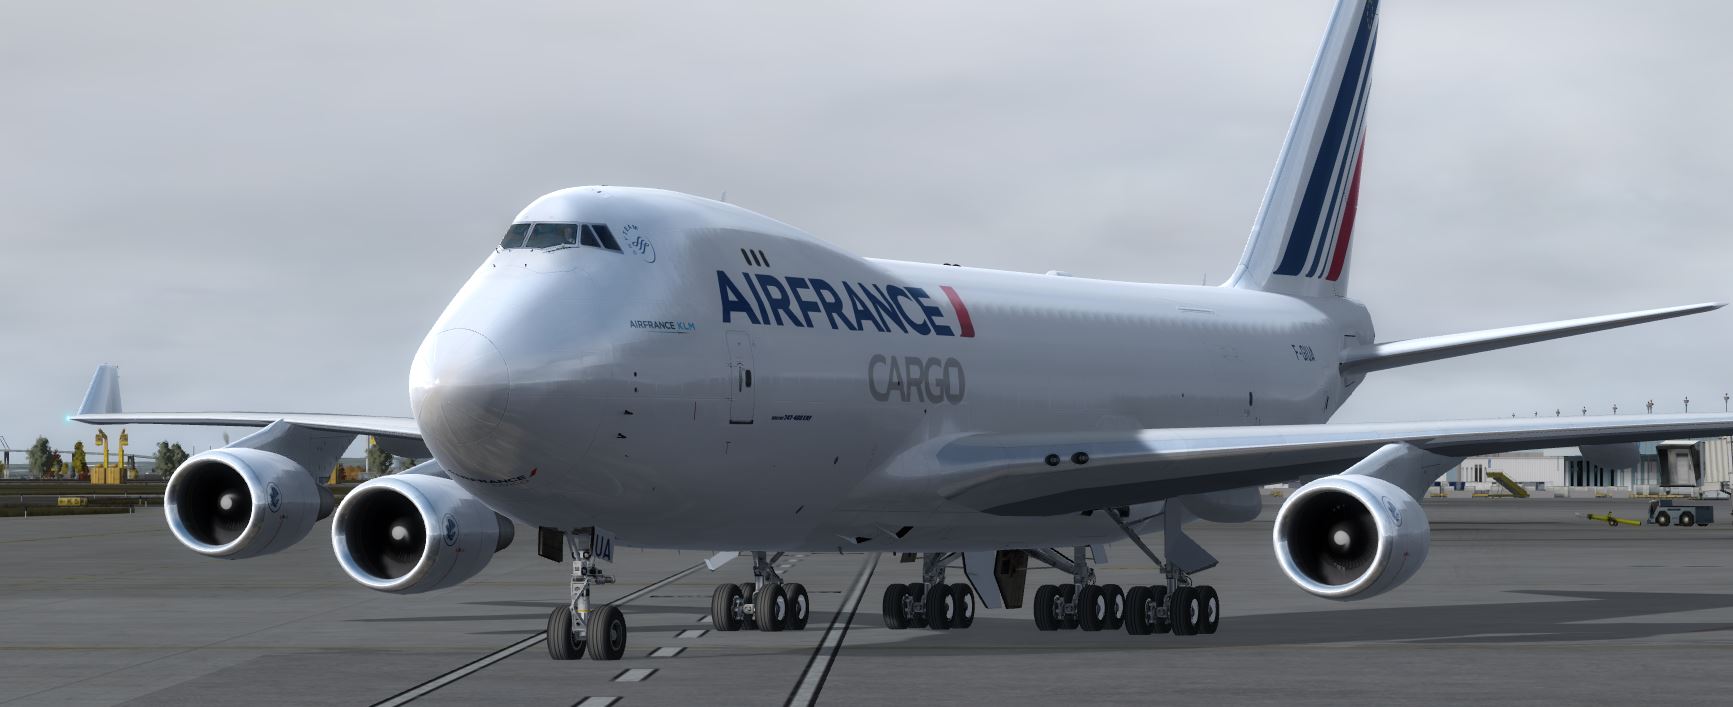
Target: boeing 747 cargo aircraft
653,369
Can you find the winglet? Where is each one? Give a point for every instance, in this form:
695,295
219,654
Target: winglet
104,394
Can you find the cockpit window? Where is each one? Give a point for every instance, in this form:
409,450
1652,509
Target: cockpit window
514,236
554,235
548,235
607,237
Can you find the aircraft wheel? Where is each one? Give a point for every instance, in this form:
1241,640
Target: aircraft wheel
1661,519
896,607
917,597
748,590
727,607
1184,610
940,607
1687,519
1162,624
770,607
563,643
799,606
1068,619
607,633
1211,605
1139,612
1048,608
1092,609
963,597
1115,606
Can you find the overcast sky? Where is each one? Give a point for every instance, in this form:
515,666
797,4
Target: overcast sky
265,207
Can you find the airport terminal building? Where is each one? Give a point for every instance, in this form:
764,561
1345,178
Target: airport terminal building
1676,466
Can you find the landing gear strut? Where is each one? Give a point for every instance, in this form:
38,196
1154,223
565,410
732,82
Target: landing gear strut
574,630
767,603
1180,605
930,603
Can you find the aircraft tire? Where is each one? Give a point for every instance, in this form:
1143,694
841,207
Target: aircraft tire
963,597
563,644
770,607
1092,609
1115,606
799,606
1210,605
607,634
940,607
1046,601
1139,612
896,596
725,614
1184,610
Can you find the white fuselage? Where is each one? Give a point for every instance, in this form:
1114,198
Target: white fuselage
723,381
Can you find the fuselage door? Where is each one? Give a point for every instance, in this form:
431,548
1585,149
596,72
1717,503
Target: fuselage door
740,396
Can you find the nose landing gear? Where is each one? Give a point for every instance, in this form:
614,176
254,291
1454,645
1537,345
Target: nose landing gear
574,630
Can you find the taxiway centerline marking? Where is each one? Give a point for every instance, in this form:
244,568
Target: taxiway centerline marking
818,667
474,666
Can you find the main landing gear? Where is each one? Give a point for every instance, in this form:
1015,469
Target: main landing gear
574,630
1179,606
767,603
930,603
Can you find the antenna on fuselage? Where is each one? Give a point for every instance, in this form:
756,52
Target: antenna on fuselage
724,197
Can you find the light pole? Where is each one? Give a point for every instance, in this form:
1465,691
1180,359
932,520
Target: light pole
1687,403
1585,411
1615,409
1651,406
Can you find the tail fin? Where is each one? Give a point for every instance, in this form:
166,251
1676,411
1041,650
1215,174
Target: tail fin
1299,242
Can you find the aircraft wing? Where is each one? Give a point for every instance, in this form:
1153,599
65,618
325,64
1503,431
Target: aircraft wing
1010,474
396,435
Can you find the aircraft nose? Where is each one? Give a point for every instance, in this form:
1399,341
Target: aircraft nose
461,386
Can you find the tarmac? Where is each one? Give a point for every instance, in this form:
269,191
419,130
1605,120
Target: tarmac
1520,602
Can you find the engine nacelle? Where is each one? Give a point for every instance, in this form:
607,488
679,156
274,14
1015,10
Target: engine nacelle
238,502
412,533
1351,536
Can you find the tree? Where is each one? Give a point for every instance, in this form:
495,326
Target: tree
177,456
407,463
80,465
378,462
162,458
40,454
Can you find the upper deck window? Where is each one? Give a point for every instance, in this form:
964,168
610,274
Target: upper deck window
555,235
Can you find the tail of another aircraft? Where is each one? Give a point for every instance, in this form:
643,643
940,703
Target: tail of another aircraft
1299,242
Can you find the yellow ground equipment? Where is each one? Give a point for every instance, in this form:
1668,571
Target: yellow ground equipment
1611,519
110,473
1513,487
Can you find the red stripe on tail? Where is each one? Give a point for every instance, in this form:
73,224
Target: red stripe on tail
1340,256
963,320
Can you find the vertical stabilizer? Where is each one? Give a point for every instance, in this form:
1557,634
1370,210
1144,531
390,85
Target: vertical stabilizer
103,397
1299,242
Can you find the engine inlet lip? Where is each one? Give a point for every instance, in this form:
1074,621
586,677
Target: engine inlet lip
340,535
1386,536
171,503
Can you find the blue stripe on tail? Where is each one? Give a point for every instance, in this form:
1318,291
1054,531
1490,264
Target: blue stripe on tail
1305,229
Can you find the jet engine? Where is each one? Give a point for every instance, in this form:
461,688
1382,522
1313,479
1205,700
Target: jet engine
239,502
1350,536
413,533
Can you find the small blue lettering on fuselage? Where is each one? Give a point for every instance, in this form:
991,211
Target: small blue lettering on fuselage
667,326
809,302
